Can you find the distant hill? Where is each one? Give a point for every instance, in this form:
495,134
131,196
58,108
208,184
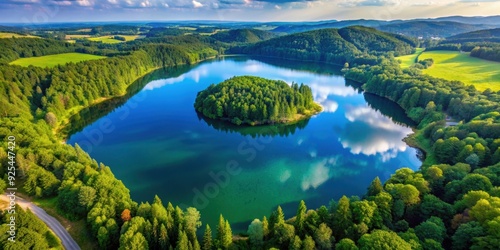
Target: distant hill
489,35
428,29
492,20
332,45
243,36
302,27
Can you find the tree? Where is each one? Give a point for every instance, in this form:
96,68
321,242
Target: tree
51,119
256,233
126,215
300,218
323,237
308,243
409,194
433,228
346,244
375,187
207,238
183,241
192,223
380,239
463,237
224,234
342,219
295,244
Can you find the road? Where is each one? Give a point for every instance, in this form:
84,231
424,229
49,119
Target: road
51,222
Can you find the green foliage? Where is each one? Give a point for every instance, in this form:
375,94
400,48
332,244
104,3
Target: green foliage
380,239
31,232
433,228
346,244
207,239
254,100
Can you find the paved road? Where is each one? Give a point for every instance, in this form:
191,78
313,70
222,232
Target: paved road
51,222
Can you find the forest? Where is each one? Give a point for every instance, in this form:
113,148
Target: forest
255,100
452,202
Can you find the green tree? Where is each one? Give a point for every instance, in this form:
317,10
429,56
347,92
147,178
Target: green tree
346,244
342,219
308,243
256,233
380,239
323,237
300,218
375,187
465,234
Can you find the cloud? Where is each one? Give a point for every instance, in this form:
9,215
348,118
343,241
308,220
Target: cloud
197,4
359,3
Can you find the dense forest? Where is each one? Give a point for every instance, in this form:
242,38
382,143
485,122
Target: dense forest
452,202
255,100
337,46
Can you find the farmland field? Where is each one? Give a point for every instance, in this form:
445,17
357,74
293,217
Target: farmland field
453,65
53,60
10,35
408,60
110,39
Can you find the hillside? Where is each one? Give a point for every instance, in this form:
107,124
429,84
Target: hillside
331,45
427,29
243,36
479,35
303,27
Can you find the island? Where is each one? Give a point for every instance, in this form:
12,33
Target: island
256,101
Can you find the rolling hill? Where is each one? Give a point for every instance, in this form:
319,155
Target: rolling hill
331,45
243,36
428,29
486,35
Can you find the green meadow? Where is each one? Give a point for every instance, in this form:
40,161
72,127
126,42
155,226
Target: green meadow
10,35
54,60
111,40
454,65
408,60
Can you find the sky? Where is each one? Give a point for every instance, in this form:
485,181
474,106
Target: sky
47,11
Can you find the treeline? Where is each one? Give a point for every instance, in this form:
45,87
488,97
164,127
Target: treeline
254,100
488,53
357,45
15,48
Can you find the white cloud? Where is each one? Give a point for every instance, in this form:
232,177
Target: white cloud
197,4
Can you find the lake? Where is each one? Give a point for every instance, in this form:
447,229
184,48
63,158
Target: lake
156,143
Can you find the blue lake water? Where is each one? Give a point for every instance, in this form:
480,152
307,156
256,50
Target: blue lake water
156,143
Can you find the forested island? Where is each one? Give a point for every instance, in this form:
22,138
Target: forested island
254,100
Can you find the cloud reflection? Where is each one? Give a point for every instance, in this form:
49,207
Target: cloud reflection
194,75
372,133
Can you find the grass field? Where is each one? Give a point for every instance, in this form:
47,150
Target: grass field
453,65
53,60
68,37
10,35
109,39
408,60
